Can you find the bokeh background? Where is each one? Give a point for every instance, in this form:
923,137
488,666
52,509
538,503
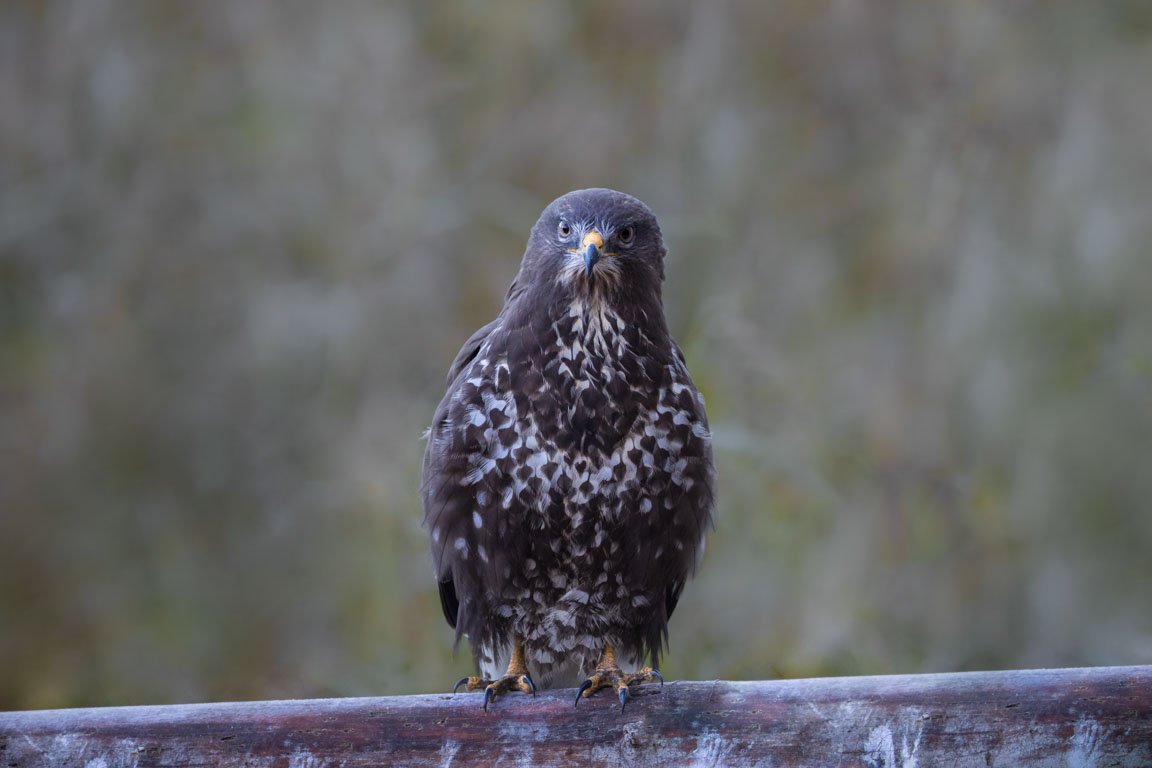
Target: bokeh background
240,243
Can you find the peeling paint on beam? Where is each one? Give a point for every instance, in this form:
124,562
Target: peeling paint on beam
1068,717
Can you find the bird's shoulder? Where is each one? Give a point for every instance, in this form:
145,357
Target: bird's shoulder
469,351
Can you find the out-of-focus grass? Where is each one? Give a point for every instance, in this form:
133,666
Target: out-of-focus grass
240,244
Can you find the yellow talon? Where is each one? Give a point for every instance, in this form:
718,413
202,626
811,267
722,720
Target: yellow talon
608,674
515,679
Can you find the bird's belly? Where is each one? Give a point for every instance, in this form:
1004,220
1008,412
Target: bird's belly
580,583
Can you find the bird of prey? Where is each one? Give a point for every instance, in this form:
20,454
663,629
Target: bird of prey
568,479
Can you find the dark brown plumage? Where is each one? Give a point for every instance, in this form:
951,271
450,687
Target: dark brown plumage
568,477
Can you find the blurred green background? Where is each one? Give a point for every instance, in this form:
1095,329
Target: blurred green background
241,242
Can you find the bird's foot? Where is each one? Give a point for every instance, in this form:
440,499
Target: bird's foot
609,675
516,678
493,688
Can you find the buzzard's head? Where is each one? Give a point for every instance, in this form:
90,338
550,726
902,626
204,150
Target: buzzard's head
597,241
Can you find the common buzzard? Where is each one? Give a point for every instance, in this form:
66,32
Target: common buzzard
568,478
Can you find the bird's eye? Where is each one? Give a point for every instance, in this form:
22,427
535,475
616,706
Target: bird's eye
564,228
626,234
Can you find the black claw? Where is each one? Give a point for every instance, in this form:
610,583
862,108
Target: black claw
659,677
587,684
489,694
528,679
459,683
623,698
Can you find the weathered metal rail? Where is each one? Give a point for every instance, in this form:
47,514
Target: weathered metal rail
1064,717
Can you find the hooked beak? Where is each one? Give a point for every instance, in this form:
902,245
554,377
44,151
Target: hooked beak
591,256
592,244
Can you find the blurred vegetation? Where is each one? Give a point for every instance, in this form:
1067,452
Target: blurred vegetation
241,242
